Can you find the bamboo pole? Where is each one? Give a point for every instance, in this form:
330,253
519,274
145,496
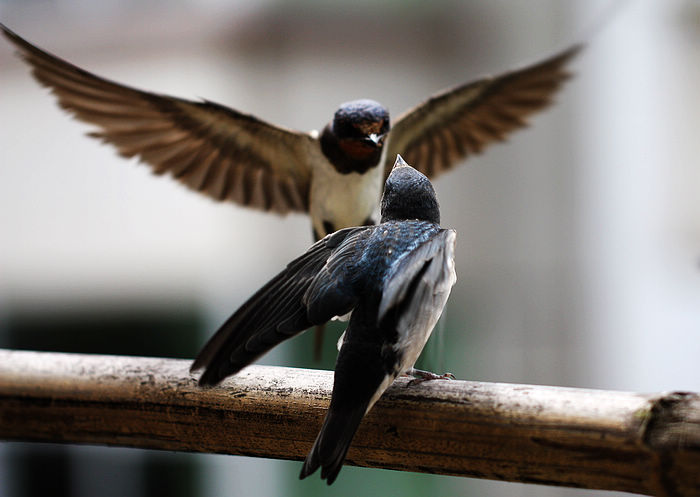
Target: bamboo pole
641,443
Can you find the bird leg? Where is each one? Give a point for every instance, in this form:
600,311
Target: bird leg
419,376
318,341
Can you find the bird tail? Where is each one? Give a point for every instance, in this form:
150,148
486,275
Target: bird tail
332,443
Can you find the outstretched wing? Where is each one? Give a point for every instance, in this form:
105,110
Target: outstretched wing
211,148
276,312
456,123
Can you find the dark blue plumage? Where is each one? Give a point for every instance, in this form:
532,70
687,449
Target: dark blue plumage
394,278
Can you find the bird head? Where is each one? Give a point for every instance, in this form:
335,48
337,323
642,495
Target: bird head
408,194
354,140
362,121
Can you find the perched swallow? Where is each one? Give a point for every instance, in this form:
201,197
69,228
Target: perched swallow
394,278
335,175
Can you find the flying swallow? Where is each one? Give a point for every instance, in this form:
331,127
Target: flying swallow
335,175
394,280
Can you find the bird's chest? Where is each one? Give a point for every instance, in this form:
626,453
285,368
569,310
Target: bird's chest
343,200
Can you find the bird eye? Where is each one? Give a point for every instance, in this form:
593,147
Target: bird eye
359,130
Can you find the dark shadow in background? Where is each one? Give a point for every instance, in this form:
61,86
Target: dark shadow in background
48,469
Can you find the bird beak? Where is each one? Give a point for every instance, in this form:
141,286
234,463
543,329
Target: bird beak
376,139
399,162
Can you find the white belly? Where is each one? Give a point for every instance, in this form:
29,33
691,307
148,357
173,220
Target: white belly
343,199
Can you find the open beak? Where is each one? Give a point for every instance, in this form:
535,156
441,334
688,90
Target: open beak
375,139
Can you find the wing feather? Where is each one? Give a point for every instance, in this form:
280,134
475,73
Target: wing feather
439,277
466,119
200,143
274,313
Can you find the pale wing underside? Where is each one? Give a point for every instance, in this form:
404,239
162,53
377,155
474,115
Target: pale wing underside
210,148
438,277
434,136
420,285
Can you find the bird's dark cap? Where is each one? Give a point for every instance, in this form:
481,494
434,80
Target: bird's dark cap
408,194
357,113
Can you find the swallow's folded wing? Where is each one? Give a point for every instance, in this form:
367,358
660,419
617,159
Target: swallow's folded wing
276,312
213,149
334,292
418,284
461,121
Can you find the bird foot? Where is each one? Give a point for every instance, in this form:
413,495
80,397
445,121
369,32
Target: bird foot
419,376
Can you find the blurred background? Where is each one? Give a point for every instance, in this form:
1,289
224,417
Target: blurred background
578,239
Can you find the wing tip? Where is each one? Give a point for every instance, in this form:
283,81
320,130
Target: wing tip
196,365
9,33
212,374
563,58
209,378
572,51
24,47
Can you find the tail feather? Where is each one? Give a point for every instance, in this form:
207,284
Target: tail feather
332,443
